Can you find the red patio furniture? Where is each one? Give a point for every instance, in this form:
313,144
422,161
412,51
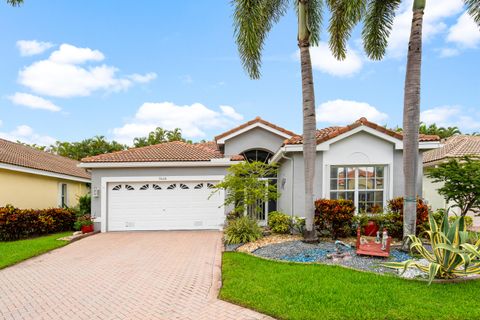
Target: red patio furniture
371,248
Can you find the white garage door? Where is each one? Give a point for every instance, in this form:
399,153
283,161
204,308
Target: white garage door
180,205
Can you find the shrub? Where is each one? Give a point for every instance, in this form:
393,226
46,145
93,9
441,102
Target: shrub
279,222
17,223
395,206
334,216
242,230
85,204
468,220
389,220
449,254
298,225
233,215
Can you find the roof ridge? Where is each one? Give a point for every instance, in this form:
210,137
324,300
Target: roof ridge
253,121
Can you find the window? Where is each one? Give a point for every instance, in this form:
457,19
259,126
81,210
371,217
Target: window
63,195
156,187
363,185
198,186
172,186
129,187
144,187
257,155
210,185
117,187
183,186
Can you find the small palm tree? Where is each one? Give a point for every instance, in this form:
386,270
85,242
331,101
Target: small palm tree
15,3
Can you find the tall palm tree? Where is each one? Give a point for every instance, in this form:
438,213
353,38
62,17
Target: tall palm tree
377,17
15,3
253,19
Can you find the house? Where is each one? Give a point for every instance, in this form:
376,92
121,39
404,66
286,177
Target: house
34,179
454,147
168,186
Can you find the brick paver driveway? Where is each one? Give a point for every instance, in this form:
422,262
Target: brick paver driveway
128,275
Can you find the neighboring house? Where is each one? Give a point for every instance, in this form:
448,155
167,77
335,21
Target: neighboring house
30,178
454,147
168,186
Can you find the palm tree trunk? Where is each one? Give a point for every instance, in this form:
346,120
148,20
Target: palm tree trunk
411,121
309,120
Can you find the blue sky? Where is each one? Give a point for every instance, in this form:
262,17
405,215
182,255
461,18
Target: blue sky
74,69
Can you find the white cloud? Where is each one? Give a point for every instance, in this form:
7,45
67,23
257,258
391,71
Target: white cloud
33,102
449,52
26,134
433,24
231,113
186,79
324,61
143,78
193,120
32,47
69,54
61,76
452,116
340,112
465,32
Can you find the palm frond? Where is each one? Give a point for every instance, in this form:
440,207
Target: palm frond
15,3
345,15
377,26
473,8
253,19
315,19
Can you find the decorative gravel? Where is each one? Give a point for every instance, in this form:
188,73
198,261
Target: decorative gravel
298,251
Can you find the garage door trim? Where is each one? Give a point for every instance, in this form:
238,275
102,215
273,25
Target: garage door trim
105,180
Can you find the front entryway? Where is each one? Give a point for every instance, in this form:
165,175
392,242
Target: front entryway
172,205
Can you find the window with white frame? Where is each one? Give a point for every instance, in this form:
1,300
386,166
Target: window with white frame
63,195
364,185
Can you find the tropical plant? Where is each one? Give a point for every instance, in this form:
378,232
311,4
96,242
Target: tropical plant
86,148
253,20
242,230
246,188
15,3
461,183
439,131
85,204
83,221
159,135
450,255
279,222
334,217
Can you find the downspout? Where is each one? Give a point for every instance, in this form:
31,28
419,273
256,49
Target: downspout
293,180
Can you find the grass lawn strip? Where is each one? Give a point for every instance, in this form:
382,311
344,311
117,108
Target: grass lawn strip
12,252
314,291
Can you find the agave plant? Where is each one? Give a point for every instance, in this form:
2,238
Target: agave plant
450,255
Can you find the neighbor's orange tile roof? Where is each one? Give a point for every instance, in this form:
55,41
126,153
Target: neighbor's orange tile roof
163,152
19,155
328,133
454,147
249,123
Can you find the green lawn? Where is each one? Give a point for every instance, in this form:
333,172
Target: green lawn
12,252
296,291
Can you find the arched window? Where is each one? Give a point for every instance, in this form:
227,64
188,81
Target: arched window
117,187
129,187
144,187
156,187
257,155
199,186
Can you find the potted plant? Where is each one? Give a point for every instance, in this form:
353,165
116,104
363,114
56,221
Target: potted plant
84,223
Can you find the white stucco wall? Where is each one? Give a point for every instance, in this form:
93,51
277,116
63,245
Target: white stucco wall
256,138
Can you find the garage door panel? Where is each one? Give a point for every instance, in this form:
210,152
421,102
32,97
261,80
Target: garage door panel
186,205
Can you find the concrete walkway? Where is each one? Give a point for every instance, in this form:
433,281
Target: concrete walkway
128,275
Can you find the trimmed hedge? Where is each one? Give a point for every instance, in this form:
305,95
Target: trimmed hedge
334,216
23,223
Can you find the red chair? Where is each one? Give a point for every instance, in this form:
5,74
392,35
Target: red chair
372,248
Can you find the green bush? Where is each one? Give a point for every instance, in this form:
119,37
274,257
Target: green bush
242,230
298,224
85,220
334,217
390,220
279,222
468,220
17,223
85,204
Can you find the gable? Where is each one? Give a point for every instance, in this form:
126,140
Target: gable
255,138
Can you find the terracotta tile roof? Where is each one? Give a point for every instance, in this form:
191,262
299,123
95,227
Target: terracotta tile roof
249,123
454,147
17,154
163,152
214,146
328,133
